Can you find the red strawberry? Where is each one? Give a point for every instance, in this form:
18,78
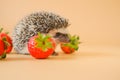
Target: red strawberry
72,46
7,41
2,54
1,47
41,46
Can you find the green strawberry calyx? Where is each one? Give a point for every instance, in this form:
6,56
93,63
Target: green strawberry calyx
43,42
74,42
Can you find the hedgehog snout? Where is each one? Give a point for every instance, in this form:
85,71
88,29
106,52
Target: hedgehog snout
62,37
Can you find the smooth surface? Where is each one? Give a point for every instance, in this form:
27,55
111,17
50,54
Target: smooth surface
97,22
91,63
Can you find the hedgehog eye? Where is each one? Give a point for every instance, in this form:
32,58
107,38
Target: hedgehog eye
58,34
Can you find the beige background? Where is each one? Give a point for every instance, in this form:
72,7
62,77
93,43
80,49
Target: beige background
97,22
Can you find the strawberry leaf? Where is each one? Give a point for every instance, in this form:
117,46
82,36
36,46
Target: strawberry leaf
46,38
4,39
74,42
43,42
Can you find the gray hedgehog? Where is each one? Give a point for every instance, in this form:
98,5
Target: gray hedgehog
43,22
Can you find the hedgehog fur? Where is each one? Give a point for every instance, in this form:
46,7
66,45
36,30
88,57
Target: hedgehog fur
43,22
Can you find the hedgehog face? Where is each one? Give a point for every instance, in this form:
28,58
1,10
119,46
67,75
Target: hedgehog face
62,37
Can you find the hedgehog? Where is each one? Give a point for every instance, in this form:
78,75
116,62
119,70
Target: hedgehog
43,22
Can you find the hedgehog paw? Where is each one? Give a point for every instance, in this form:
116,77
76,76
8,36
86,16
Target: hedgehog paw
55,54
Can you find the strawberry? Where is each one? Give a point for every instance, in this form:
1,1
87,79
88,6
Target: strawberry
2,54
72,46
7,41
41,46
1,47
5,44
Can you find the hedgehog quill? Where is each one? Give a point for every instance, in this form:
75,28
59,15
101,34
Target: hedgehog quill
43,22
